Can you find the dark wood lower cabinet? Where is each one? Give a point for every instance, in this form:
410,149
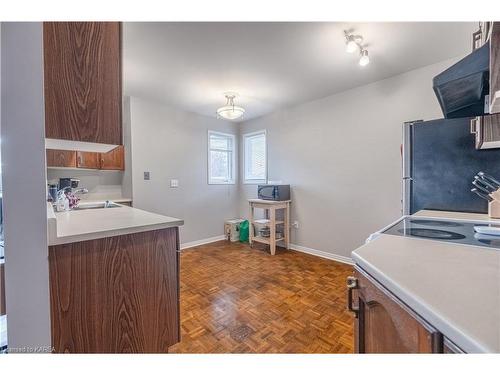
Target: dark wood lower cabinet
116,295
385,325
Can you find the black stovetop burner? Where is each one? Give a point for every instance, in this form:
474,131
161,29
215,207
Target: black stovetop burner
461,232
431,233
435,223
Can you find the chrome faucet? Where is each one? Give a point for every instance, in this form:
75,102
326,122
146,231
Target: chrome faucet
80,191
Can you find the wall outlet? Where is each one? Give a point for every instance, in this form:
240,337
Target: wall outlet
174,183
295,224
147,176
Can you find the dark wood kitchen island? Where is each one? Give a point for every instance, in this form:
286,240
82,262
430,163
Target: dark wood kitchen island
118,292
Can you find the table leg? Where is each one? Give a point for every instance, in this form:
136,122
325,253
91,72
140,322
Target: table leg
272,237
287,226
250,226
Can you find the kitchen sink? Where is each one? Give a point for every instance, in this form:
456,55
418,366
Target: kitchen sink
94,206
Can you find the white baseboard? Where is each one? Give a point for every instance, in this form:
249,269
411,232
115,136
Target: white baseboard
204,241
322,254
302,249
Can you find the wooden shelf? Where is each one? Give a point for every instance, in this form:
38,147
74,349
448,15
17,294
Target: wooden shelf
261,239
266,222
265,239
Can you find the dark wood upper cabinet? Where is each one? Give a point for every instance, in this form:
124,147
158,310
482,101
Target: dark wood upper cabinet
495,68
89,160
114,159
385,325
486,130
82,71
61,158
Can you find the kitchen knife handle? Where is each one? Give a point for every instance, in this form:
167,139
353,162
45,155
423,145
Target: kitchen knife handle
484,196
352,283
485,182
480,187
489,178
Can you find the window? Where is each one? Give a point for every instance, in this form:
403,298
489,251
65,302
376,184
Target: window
255,157
220,158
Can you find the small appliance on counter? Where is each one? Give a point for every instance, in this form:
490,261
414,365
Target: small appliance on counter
52,193
274,192
68,182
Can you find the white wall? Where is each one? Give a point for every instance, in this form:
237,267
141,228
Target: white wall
172,144
24,193
341,154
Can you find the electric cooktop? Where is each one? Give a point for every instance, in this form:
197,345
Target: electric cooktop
461,232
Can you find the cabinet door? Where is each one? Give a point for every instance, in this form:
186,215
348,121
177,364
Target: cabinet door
82,72
495,68
61,158
114,159
487,131
117,294
89,160
385,325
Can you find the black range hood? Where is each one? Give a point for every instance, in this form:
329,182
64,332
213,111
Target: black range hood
461,88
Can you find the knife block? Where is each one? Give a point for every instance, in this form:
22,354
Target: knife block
494,209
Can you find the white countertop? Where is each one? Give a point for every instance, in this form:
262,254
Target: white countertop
83,225
456,288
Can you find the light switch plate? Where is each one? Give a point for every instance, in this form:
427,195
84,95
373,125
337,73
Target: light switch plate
147,176
174,183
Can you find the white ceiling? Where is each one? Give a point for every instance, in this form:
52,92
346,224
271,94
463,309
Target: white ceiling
274,65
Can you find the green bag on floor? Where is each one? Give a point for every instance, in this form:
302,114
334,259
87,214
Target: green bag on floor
244,231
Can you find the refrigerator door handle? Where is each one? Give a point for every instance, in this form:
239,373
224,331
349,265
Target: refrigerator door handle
407,179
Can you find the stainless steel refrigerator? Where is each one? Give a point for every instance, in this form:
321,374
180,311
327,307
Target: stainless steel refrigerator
439,164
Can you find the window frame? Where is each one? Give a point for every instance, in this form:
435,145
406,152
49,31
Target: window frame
243,140
232,159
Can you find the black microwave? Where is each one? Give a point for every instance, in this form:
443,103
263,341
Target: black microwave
274,192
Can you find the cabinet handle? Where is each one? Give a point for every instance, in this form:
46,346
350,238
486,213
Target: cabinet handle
473,125
352,283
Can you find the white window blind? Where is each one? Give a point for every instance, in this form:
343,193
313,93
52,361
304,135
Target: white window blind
221,161
255,157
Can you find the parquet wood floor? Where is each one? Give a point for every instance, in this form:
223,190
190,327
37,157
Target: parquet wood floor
235,299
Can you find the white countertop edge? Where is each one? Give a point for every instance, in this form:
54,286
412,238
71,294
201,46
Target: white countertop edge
113,233
96,201
54,239
455,216
460,338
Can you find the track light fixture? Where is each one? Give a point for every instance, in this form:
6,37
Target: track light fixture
354,43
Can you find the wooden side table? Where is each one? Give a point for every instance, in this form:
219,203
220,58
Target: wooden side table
271,207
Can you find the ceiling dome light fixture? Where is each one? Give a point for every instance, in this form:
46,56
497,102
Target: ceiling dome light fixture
230,111
355,42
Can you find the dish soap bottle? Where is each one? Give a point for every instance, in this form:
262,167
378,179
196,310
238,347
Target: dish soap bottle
62,203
